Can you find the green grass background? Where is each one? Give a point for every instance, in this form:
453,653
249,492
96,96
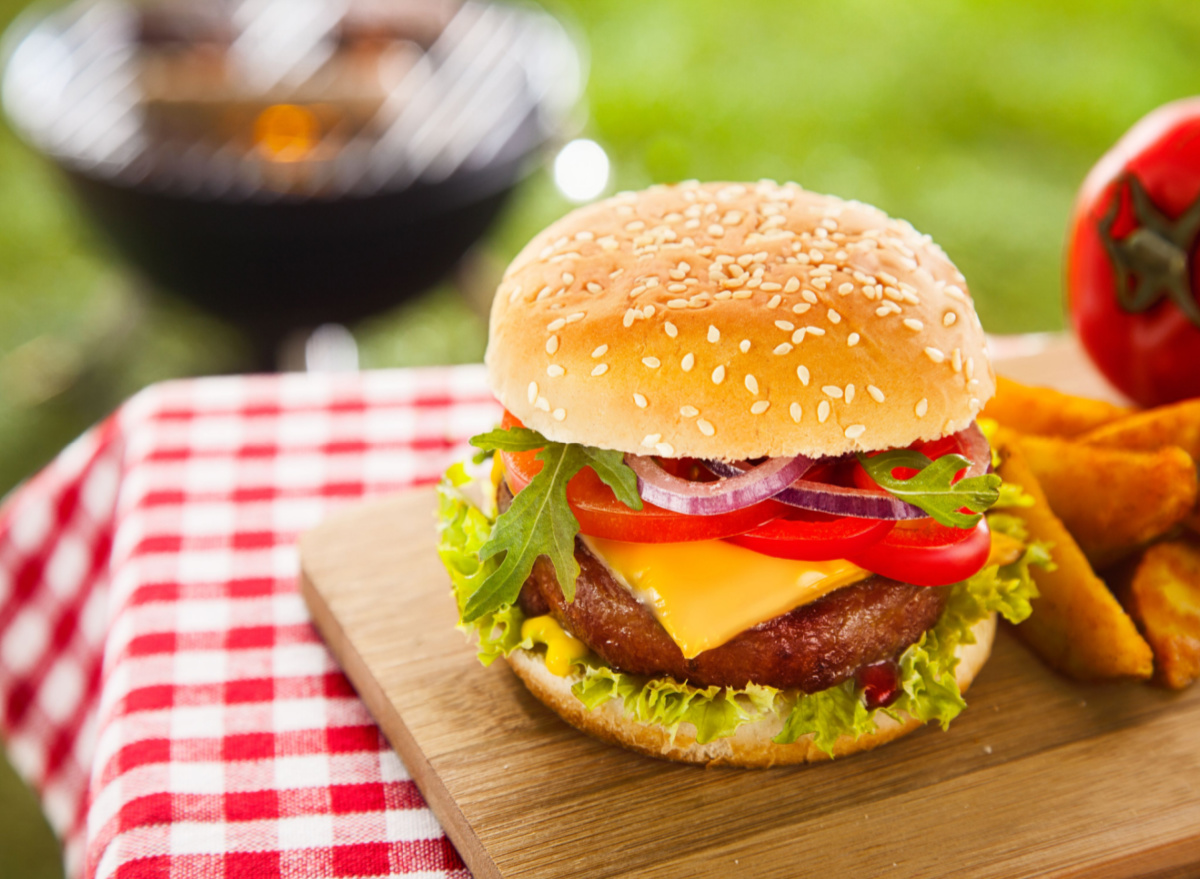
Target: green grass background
974,120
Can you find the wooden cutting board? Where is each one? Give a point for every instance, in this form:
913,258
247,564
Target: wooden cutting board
1040,776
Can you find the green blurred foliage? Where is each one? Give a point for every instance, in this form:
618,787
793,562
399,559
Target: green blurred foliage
974,120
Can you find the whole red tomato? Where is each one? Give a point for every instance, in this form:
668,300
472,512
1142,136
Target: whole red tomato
1132,289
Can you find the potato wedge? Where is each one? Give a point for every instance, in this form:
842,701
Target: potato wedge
1164,597
1174,425
1077,626
1112,501
1046,412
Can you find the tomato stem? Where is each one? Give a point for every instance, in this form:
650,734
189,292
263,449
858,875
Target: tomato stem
1154,260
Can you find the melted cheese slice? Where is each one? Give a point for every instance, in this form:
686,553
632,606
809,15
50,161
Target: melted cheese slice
703,593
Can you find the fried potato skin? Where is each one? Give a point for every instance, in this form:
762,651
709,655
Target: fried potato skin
1164,598
1174,425
1113,501
1077,626
1046,412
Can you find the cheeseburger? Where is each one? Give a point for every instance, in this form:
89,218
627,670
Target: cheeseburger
736,504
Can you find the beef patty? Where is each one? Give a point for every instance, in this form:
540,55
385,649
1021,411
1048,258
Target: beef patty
811,648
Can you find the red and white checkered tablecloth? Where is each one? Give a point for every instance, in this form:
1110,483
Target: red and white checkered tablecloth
161,685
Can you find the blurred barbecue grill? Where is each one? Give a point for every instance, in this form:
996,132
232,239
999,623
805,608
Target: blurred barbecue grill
286,163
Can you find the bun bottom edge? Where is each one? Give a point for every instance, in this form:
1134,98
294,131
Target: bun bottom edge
751,745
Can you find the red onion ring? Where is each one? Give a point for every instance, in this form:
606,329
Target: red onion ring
862,503
977,450
740,490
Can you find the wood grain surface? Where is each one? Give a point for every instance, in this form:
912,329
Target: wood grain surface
1040,776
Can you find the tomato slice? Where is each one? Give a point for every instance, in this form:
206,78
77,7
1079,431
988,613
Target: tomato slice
814,537
600,514
925,553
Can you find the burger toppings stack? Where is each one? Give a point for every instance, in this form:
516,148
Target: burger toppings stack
737,501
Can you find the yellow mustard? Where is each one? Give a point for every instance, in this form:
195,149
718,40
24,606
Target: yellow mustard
562,648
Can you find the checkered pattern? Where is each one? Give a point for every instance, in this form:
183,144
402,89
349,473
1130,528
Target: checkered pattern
161,685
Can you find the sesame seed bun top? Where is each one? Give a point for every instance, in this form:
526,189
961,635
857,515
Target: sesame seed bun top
736,321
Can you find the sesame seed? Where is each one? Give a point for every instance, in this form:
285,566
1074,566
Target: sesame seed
651,362
631,314
833,391
785,325
845,288
705,427
771,287
834,317
956,360
816,331
882,311
744,346
554,370
714,335
600,369
913,324
876,394
802,374
665,449
689,411
743,294
955,293
922,407
800,307
635,226
600,351
935,355
542,403
775,300
533,392
716,230
752,384
783,348
760,407
559,414
671,329
970,367
854,431
718,375
677,303
886,278
823,411
648,311
796,412
677,288
577,316
552,344
556,325
809,296
949,318
568,279
819,283
651,440
852,339
792,285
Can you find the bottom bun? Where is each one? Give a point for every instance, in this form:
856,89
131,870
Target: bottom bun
751,745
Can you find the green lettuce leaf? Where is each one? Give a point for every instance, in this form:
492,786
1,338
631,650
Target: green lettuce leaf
929,689
462,532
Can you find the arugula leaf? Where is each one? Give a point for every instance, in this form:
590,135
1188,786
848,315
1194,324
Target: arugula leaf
932,488
539,521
